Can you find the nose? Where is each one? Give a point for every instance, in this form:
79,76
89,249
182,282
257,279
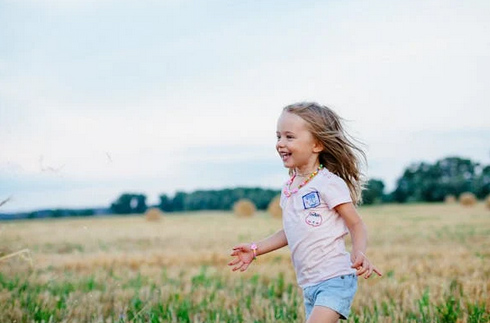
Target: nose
279,143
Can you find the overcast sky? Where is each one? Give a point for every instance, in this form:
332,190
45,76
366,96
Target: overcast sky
103,97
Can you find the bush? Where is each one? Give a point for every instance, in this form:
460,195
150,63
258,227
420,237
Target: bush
244,208
274,208
467,199
153,214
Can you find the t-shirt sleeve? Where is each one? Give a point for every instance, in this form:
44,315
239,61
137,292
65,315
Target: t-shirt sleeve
336,192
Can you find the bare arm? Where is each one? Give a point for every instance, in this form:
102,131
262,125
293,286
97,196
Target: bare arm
244,253
358,232
271,243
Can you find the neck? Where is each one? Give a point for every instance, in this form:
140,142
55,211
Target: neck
304,172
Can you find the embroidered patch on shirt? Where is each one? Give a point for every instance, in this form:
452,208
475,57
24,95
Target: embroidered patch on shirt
311,199
314,219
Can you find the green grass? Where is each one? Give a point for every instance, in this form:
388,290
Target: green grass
281,301
434,258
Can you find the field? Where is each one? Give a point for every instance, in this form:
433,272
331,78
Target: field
435,259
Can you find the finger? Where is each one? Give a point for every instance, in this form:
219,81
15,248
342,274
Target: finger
237,267
244,267
233,262
377,271
368,268
361,270
242,247
368,273
357,263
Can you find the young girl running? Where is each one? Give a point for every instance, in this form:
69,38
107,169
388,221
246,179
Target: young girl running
318,204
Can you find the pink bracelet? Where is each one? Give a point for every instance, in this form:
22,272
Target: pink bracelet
253,246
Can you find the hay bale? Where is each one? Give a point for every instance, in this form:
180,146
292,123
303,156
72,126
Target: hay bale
450,199
153,214
487,201
244,208
274,208
467,199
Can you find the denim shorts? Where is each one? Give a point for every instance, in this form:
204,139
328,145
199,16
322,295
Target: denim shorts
336,293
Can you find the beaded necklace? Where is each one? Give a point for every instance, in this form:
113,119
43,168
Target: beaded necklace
287,189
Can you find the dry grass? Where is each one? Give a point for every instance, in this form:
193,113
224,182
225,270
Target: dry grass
244,208
274,208
450,199
467,199
487,201
153,214
126,268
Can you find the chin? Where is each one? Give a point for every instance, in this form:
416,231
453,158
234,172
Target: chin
288,165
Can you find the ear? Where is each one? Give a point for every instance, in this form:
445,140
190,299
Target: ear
317,147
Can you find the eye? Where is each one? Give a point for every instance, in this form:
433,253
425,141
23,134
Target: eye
289,137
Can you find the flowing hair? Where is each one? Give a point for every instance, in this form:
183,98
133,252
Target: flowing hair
340,154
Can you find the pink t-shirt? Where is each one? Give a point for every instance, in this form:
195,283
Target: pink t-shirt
315,231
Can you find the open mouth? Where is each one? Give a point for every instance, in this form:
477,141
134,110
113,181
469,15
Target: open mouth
284,156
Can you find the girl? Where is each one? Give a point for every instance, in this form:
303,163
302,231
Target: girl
318,204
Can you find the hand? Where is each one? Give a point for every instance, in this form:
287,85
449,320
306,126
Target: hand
363,265
244,257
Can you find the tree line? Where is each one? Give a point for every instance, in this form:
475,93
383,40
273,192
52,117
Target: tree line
419,182
449,176
433,182
198,200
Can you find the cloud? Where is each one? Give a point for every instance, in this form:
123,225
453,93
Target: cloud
124,90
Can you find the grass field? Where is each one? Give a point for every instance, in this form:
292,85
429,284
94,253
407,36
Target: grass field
435,259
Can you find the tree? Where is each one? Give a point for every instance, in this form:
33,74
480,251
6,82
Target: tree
178,201
165,203
128,203
426,182
216,199
140,204
482,183
412,177
373,192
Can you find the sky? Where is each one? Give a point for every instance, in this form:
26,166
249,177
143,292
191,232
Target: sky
103,97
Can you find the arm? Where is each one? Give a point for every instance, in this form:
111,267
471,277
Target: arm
358,232
244,254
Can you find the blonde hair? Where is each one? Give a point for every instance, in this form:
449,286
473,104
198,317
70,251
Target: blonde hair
340,154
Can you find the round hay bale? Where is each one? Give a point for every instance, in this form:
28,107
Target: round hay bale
153,214
487,201
467,199
244,208
450,199
274,208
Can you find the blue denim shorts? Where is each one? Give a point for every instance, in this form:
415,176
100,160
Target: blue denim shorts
336,293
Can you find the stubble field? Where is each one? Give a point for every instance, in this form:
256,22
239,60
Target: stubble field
435,259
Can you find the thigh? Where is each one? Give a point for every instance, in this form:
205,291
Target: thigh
322,314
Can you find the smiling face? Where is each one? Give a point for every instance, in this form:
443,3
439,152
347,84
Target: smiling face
296,145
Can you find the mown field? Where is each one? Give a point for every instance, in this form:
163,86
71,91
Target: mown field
435,259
